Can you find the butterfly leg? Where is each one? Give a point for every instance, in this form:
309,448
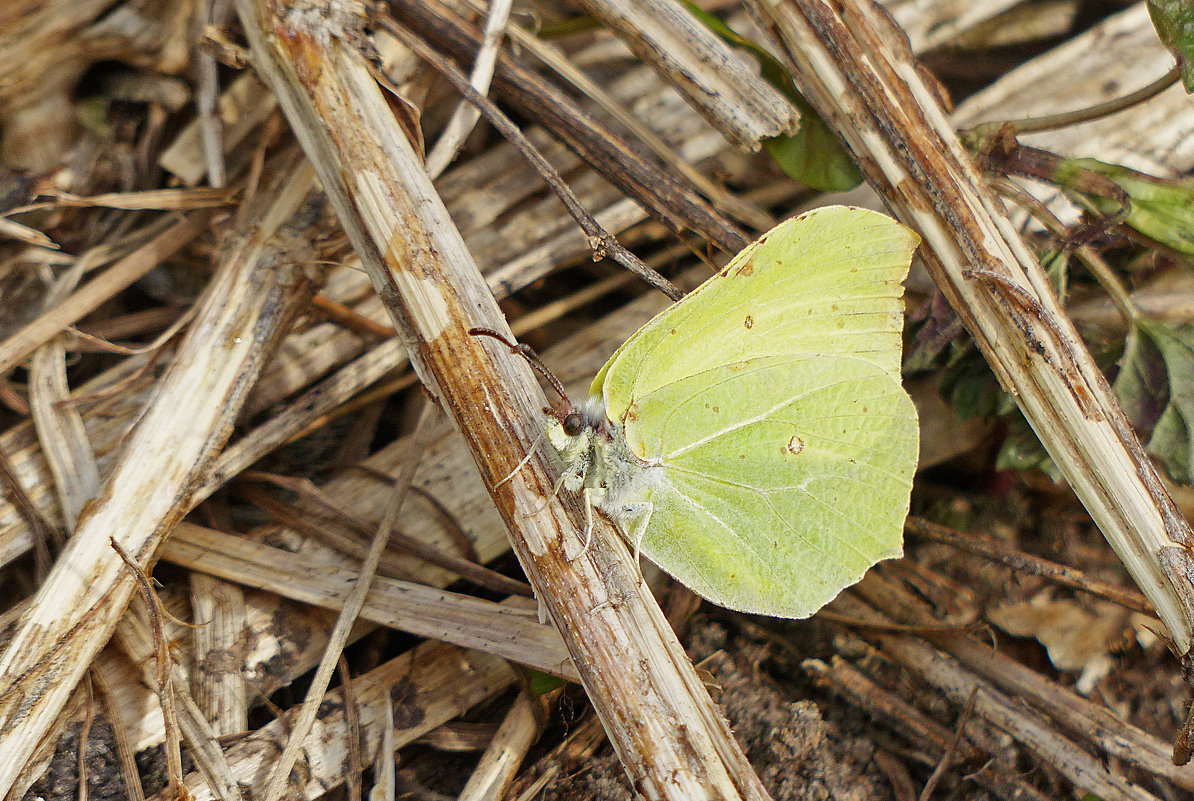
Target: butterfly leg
592,497
633,522
554,491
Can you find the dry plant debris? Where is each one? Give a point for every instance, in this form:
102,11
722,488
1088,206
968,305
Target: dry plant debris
207,409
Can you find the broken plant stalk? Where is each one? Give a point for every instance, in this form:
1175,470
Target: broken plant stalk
672,739
854,65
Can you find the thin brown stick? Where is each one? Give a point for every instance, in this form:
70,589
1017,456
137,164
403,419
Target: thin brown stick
947,756
84,736
1018,560
44,533
723,199
604,244
1097,111
352,728
162,662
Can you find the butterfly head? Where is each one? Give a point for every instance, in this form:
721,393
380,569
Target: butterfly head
575,432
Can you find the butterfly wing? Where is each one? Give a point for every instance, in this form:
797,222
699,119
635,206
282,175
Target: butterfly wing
825,282
784,478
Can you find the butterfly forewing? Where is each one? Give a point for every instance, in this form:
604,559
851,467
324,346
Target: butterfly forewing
826,282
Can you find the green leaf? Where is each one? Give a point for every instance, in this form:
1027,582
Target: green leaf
1159,208
1174,21
1142,384
971,388
1155,386
542,683
813,155
1022,451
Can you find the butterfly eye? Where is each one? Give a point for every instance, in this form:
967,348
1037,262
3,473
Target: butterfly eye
573,423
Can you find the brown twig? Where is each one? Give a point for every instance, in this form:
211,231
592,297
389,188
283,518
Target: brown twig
162,664
352,728
604,244
1097,111
947,756
629,661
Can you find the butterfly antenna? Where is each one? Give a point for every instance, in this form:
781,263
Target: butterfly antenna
528,353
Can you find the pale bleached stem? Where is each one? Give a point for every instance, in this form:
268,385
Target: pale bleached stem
220,692
466,114
60,429
248,304
498,765
855,67
721,83
506,629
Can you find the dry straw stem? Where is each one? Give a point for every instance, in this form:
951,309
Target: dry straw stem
1031,728
219,606
1087,722
497,767
635,672
435,682
509,629
855,67
717,80
250,301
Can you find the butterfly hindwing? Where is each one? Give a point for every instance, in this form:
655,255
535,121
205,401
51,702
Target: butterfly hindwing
784,478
